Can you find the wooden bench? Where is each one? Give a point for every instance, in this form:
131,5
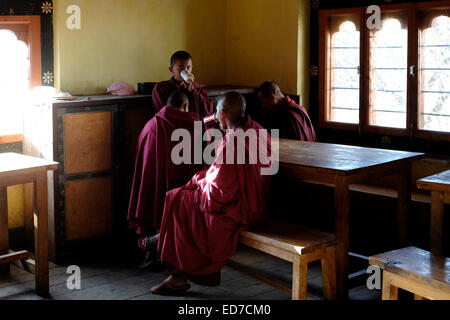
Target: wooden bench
439,185
415,270
297,245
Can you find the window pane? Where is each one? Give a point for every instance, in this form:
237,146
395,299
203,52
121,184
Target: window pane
434,81
14,82
388,72
343,55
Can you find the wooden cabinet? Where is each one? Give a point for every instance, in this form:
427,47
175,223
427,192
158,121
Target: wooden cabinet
95,143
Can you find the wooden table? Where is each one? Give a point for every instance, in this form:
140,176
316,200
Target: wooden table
341,166
439,185
16,169
418,271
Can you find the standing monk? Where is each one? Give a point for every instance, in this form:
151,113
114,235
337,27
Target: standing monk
202,220
154,172
199,102
284,114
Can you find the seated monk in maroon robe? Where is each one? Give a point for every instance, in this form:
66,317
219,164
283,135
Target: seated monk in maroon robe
202,220
284,114
155,173
199,102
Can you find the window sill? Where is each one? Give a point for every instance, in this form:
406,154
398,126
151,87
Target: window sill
11,138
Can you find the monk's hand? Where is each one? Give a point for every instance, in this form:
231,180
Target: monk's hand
191,86
186,86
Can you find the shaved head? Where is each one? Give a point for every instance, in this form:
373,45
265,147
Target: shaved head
179,100
232,105
270,95
180,55
269,88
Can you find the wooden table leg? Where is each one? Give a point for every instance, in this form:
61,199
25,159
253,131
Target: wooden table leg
437,222
389,292
404,198
4,242
29,206
299,278
342,213
41,234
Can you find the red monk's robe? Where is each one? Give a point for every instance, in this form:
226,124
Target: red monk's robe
199,102
202,220
154,172
293,121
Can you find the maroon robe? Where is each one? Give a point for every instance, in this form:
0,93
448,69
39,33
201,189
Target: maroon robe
154,172
202,220
293,121
199,102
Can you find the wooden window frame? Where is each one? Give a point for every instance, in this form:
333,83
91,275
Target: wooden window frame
365,109
422,133
34,31
324,36
412,128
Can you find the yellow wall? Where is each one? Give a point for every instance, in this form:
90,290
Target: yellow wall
268,40
242,42
132,40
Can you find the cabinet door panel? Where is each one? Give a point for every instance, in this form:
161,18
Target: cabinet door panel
87,141
88,207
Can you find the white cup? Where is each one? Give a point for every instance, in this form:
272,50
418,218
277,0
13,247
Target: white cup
187,76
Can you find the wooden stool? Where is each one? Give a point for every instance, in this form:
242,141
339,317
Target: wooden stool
415,270
16,169
299,246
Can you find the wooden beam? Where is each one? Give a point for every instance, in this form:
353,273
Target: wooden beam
421,289
13,256
447,198
277,283
403,203
437,222
4,241
11,138
342,212
41,231
389,291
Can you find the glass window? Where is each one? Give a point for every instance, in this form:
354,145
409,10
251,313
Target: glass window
14,81
343,61
388,72
434,80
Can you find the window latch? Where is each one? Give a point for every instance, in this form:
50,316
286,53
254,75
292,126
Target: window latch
358,69
411,70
